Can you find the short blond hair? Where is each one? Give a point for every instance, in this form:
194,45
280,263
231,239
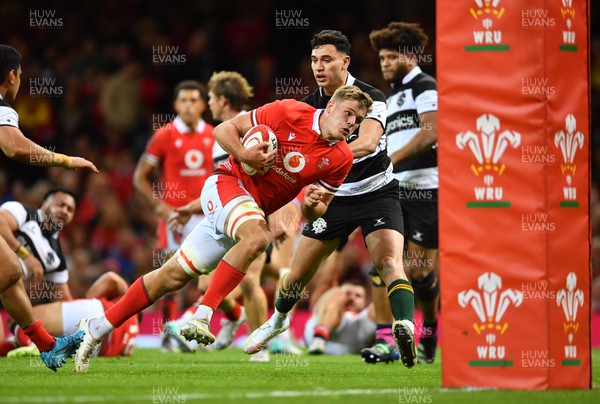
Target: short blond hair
353,93
233,86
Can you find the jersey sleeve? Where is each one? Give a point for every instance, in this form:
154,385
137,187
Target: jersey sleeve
332,182
156,149
427,101
58,277
379,107
426,95
8,116
271,114
17,210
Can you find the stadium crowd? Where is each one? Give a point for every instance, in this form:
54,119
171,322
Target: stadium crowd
100,82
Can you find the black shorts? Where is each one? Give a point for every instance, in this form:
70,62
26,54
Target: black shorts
420,213
373,211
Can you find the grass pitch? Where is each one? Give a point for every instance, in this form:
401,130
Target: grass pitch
150,376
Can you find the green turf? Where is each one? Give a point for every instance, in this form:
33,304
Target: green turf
152,377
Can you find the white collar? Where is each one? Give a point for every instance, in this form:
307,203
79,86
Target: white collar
412,74
183,128
316,117
315,125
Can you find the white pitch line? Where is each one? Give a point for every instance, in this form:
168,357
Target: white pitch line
198,396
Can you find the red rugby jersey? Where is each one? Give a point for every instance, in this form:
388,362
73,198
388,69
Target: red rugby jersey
186,160
301,158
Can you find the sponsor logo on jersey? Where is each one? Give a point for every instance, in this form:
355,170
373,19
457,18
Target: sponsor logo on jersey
294,162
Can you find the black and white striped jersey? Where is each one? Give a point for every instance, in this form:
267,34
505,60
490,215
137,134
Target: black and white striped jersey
416,95
370,172
8,115
42,243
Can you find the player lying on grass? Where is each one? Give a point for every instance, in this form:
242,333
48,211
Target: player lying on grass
36,234
311,152
61,318
342,323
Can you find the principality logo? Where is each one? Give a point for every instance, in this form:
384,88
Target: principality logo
488,38
570,299
488,147
490,303
568,143
568,35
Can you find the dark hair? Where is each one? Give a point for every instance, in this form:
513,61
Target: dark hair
10,59
56,190
398,36
191,85
330,37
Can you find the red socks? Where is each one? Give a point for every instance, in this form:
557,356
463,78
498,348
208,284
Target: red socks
40,336
6,346
135,300
170,306
225,279
322,332
235,313
22,338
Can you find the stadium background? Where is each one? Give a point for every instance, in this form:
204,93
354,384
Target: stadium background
98,79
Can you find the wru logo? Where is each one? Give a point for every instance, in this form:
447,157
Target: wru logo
489,303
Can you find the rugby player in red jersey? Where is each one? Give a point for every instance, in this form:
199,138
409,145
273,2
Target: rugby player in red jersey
181,152
311,152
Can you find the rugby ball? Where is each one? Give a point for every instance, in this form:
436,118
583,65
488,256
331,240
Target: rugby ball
256,135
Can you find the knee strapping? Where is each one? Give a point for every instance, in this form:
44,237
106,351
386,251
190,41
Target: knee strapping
424,290
376,280
245,211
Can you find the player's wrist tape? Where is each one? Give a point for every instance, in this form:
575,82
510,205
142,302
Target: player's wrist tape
61,160
22,252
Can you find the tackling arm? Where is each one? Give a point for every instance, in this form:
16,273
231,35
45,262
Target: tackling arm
17,147
369,135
